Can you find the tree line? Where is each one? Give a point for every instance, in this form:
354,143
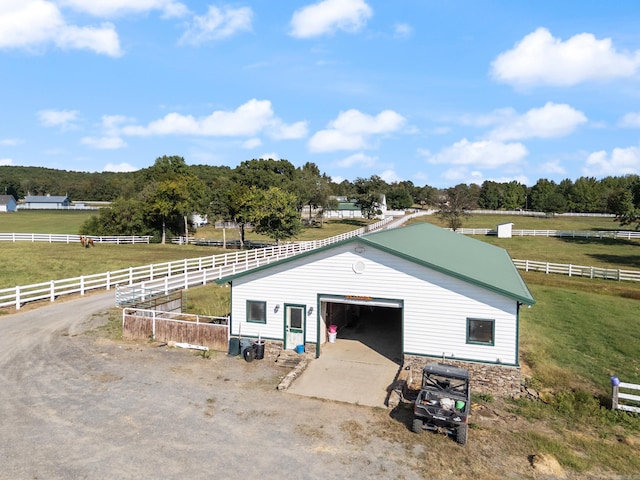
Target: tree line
271,194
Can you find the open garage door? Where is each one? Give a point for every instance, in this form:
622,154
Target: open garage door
376,323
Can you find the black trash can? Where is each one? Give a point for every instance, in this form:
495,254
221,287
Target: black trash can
247,350
244,344
259,348
234,347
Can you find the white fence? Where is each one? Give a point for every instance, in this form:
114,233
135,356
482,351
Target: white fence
617,396
182,274
65,238
621,234
578,270
169,276
531,213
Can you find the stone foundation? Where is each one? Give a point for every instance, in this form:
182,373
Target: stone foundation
497,380
272,349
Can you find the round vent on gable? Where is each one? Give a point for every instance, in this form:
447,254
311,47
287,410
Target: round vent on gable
358,266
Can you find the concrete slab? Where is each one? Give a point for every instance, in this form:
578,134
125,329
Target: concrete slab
348,371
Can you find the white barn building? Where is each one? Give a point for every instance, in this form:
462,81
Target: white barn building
443,294
45,202
8,203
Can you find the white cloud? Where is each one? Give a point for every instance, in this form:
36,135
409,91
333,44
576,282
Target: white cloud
461,174
390,176
33,24
6,161
332,140
621,161
551,121
496,117
270,156
217,24
249,119
280,131
328,16
351,130
104,143
119,167
482,154
402,30
102,40
358,159
58,118
553,167
630,120
252,143
111,8
356,122
10,142
541,59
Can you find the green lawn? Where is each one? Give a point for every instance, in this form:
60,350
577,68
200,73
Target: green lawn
44,221
329,229
523,222
25,263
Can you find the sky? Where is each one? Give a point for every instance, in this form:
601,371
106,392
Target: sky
438,92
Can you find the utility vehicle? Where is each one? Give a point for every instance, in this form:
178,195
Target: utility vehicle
444,401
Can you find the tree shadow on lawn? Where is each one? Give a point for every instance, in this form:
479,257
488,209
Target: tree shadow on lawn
622,260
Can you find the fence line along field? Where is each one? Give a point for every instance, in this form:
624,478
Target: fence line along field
580,332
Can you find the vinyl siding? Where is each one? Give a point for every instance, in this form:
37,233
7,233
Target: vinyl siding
436,306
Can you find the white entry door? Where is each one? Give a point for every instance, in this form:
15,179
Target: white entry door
294,326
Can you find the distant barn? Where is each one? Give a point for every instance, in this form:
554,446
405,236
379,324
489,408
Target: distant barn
46,202
7,203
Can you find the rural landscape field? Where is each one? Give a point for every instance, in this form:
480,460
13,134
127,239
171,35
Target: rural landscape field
579,333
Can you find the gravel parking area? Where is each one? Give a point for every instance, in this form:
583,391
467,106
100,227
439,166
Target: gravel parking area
76,404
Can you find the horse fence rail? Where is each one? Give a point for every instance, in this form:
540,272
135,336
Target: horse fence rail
578,270
183,274
67,238
617,235
625,401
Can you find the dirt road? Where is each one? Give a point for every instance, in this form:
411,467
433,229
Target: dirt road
77,405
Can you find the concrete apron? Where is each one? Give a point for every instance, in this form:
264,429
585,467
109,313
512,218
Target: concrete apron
348,371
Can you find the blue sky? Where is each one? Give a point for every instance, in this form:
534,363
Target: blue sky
436,92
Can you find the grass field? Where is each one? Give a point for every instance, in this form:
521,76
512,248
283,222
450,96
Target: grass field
44,221
24,263
523,222
578,334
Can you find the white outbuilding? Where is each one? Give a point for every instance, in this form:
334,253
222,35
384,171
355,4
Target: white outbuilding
442,293
504,230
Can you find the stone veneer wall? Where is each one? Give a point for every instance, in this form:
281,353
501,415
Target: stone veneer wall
497,380
272,349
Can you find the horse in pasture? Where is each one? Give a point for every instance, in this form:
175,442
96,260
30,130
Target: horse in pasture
86,242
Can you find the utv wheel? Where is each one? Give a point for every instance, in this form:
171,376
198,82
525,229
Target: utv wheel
249,354
461,434
417,426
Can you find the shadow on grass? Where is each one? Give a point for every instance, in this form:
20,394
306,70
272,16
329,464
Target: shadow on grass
622,260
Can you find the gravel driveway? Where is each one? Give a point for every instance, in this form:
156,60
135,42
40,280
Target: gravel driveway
77,405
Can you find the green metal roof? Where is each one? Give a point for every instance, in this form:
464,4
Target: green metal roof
451,253
348,206
454,254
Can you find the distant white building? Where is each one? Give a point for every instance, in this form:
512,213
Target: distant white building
347,208
8,203
45,202
504,230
